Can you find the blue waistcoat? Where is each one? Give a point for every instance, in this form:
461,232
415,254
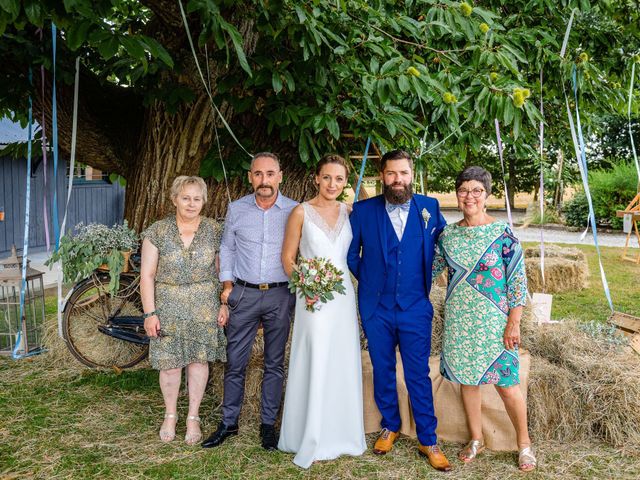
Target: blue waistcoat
405,282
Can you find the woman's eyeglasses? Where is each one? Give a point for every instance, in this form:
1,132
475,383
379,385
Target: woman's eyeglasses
475,193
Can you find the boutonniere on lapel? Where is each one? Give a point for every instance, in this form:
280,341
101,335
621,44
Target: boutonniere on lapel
426,216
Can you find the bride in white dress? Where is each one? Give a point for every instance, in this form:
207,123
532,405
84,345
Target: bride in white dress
322,417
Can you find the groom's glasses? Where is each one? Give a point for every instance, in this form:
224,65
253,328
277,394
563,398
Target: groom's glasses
475,193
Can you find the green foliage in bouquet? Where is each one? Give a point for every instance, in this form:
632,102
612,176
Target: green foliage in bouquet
315,279
94,245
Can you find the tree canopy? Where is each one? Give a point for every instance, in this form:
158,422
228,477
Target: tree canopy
304,78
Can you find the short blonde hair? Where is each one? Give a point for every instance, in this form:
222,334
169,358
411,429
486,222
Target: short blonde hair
183,180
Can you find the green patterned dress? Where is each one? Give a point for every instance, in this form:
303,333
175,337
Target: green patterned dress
186,296
486,279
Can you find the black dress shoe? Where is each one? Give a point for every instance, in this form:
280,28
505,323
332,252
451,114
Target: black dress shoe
220,435
269,437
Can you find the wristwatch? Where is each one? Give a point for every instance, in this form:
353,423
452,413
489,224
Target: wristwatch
147,315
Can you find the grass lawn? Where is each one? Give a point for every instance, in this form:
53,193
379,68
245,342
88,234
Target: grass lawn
591,304
60,420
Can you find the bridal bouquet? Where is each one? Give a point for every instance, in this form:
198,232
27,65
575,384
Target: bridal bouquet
316,279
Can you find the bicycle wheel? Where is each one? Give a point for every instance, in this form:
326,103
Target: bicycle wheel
89,308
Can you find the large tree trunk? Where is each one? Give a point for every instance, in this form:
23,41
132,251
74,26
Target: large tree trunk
173,145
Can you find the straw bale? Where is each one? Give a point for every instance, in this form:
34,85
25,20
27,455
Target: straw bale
605,379
555,407
561,275
437,324
555,251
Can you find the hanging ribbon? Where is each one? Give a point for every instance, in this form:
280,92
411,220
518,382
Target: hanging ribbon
579,146
633,145
45,190
54,122
25,242
364,162
215,107
504,180
72,163
541,190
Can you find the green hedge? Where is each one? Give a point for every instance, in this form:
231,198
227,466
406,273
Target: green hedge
611,190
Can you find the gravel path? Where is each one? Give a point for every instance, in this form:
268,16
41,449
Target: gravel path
551,235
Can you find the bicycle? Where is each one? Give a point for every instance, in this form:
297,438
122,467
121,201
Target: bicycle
103,330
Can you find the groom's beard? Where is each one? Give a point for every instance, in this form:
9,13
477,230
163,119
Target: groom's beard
397,196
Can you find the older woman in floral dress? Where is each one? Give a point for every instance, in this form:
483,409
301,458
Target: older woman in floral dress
486,291
180,298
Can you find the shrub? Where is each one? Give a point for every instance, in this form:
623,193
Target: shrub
611,190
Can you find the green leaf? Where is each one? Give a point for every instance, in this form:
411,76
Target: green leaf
333,127
158,51
276,81
303,148
109,47
12,7
33,9
403,84
77,34
236,39
134,47
302,16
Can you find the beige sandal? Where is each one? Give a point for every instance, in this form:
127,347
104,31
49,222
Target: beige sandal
168,435
471,450
193,438
526,459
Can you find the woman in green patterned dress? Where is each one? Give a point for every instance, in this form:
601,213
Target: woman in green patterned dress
486,291
180,298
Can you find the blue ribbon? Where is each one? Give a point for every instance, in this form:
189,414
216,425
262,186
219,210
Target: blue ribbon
25,240
585,183
364,162
54,121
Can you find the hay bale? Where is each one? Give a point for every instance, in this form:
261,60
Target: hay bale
554,404
437,324
605,385
554,251
561,275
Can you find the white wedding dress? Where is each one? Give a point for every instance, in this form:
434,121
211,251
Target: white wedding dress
322,417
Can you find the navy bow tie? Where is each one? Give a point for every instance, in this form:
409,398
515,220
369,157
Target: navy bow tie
403,206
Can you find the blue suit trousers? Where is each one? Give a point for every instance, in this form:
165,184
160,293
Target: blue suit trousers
409,329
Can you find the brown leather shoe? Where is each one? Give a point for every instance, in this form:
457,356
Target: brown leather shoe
385,441
436,457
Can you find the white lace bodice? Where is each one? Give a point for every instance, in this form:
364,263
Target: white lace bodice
320,240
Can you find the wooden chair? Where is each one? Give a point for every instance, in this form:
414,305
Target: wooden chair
633,210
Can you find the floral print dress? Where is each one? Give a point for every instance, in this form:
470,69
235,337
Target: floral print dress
486,279
187,296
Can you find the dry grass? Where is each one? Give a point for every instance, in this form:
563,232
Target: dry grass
63,424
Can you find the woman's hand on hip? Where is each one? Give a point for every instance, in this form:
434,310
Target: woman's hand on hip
223,315
511,335
152,325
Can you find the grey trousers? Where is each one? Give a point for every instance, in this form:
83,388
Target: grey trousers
248,307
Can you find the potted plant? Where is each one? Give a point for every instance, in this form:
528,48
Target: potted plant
96,246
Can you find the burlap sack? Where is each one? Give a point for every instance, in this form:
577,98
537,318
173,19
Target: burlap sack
498,431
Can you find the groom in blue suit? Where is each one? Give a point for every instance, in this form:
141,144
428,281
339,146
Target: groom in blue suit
391,255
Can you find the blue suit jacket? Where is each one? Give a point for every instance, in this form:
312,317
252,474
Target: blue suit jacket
367,257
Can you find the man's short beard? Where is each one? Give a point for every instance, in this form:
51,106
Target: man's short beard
397,197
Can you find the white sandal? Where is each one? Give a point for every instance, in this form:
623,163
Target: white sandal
526,459
193,438
168,435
